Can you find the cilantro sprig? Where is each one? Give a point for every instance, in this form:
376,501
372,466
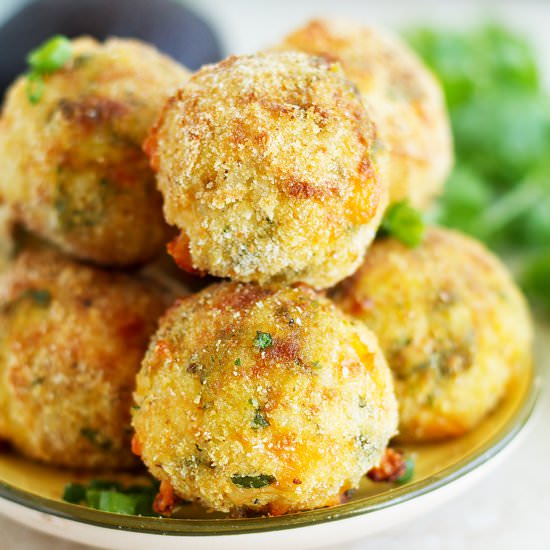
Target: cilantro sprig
499,190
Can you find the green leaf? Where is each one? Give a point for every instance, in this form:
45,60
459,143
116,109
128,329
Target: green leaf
484,58
535,279
500,189
252,482
450,56
404,223
51,55
466,197
263,339
507,57
502,134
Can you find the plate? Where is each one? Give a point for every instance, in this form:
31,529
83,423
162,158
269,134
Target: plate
30,494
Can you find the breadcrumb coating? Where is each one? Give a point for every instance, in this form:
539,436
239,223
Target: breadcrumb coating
269,166
71,341
265,399
404,98
452,324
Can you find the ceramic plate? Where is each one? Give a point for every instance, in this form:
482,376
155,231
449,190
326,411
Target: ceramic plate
30,493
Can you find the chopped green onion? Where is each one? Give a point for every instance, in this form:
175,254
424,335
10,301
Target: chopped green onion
252,482
110,496
74,493
238,362
105,484
117,503
93,497
51,55
408,473
263,339
45,59
404,223
35,87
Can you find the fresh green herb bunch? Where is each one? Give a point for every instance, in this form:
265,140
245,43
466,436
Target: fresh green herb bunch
500,188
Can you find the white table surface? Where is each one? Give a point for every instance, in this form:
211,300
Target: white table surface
510,508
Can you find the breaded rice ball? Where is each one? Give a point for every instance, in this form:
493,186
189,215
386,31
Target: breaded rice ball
405,101
267,165
72,163
265,399
452,324
71,341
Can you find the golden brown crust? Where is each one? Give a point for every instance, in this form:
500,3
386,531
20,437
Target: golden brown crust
267,165
452,325
73,167
72,338
278,388
404,99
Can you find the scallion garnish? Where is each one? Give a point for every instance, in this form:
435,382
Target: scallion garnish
47,58
404,223
111,496
51,55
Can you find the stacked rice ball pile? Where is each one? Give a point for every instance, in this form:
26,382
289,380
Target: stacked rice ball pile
73,333
258,393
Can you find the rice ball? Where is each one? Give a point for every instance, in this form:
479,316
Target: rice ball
262,398
268,165
452,324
